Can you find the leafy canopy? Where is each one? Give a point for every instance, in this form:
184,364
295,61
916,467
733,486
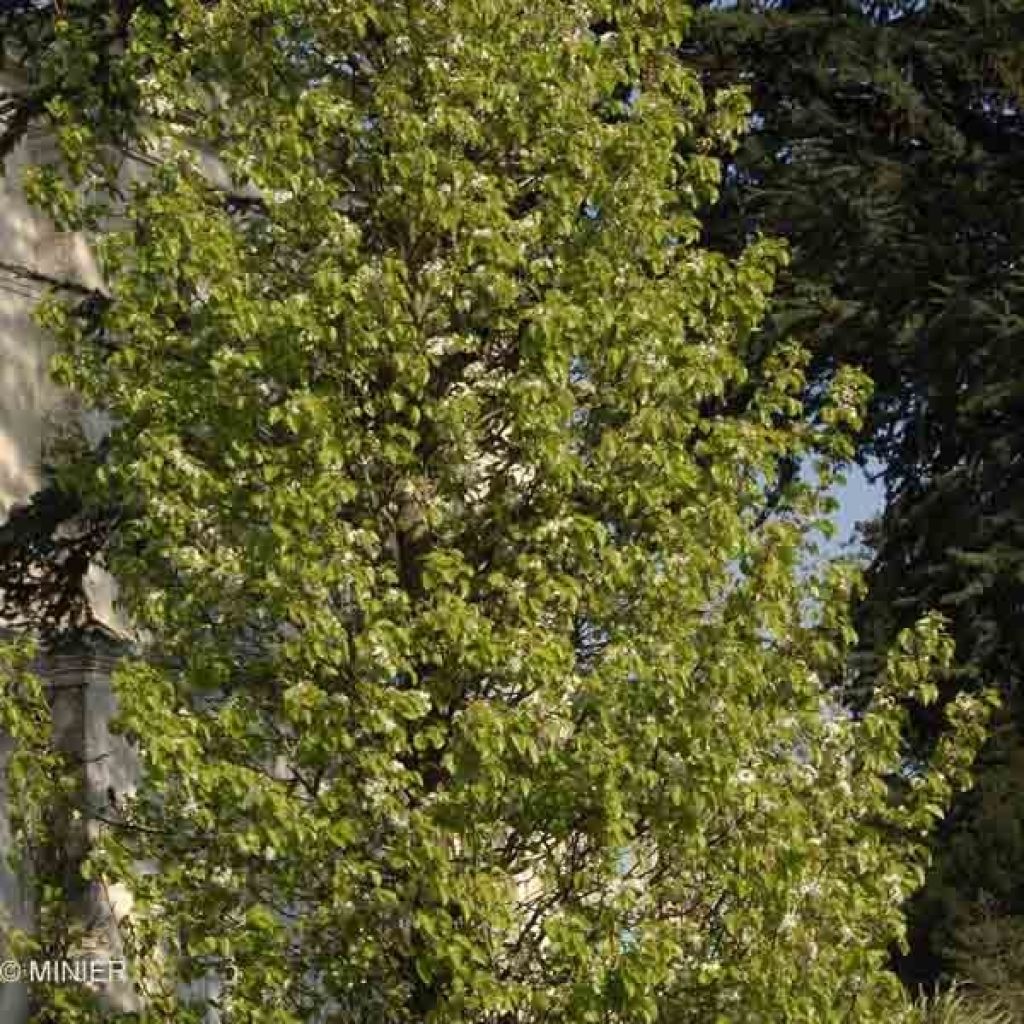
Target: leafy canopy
482,667
888,148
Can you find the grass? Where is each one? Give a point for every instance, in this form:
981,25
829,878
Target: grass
961,1004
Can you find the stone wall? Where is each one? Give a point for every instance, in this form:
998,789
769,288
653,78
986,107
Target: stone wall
32,254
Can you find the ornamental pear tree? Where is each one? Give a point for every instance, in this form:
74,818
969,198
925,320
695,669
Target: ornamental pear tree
485,673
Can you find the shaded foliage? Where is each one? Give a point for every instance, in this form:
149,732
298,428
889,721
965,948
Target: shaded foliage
483,680
888,147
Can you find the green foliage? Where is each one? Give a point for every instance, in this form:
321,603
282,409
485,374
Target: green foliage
43,807
67,69
968,905
887,147
484,670
957,1005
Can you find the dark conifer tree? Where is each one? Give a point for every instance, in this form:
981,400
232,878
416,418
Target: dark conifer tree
888,147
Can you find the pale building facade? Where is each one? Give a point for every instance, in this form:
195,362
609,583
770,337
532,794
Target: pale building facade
33,258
